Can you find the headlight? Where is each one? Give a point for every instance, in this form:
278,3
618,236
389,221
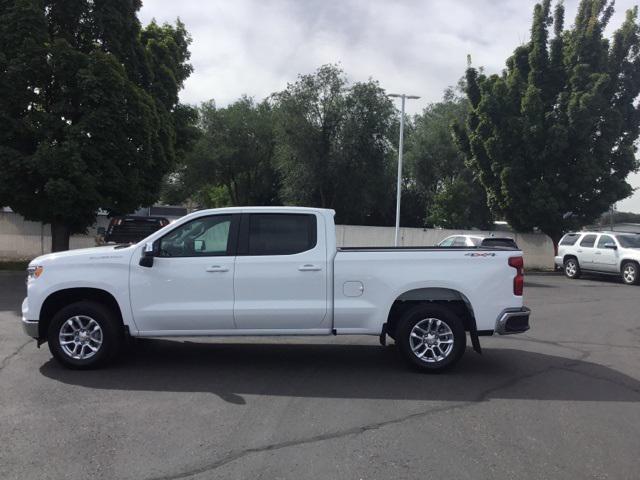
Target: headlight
34,272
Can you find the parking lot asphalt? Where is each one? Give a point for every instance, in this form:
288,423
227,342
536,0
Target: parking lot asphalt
562,401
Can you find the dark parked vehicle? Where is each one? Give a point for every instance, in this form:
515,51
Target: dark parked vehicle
132,229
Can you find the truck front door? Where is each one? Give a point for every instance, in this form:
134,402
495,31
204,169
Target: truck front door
189,288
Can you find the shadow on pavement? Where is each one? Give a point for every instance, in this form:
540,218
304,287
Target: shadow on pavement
231,370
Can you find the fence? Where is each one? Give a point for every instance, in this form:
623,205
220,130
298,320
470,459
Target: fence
21,239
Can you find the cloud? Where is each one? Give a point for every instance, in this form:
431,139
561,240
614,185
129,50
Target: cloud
255,47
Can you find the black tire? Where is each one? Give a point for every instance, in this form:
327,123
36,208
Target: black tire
109,333
421,314
572,268
630,273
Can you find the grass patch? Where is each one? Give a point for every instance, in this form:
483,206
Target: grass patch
14,265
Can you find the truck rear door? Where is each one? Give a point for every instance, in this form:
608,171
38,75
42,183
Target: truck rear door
280,278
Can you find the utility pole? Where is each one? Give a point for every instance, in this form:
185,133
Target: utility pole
400,149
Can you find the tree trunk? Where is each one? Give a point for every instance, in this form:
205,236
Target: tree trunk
555,238
59,237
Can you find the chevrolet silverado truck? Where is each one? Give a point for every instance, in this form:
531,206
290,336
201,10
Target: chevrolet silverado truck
271,271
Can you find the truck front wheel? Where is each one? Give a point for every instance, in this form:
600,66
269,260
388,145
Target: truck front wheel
84,335
431,337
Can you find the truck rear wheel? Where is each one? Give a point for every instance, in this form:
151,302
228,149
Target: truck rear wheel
84,335
431,337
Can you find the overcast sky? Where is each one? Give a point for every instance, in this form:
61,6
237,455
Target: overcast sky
419,47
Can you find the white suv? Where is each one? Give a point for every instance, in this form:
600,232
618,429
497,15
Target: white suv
612,253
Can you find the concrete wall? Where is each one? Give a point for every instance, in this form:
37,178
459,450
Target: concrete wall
537,248
20,239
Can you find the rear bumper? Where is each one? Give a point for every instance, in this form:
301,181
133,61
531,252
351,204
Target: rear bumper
513,321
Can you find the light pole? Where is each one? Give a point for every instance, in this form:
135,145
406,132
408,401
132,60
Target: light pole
400,148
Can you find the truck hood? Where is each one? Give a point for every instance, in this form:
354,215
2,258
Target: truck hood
105,252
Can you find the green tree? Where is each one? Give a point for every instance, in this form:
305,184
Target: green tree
334,146
232,162
450,192
89,109
553,137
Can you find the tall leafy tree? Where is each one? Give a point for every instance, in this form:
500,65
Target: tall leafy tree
553,136
451,194
232,162
334,146
89,109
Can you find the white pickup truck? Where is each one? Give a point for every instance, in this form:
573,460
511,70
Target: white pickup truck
271,271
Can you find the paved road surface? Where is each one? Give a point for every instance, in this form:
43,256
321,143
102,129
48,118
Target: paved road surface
561,402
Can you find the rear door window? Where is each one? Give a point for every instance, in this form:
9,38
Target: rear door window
569,239
280,234
588,241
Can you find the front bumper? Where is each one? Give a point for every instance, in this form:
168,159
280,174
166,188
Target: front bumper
30,327
558,261
513,320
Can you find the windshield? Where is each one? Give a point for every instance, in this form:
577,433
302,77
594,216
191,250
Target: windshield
629,241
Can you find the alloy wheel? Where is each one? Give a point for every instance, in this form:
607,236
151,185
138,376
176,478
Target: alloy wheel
630,273
431,340
571,268
80,337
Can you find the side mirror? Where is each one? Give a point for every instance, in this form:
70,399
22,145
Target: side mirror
146,260
611,246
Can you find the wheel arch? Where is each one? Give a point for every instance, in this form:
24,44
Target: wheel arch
624,261
448,297
61,298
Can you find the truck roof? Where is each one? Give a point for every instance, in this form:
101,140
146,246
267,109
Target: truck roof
275,208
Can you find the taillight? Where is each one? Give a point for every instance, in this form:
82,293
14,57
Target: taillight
518,280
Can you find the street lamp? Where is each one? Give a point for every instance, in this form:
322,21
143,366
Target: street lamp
400,148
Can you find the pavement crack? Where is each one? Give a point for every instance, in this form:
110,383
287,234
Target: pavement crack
6,360
482,397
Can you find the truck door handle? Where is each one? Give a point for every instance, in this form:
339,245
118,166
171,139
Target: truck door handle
307,267
217,268
598,253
